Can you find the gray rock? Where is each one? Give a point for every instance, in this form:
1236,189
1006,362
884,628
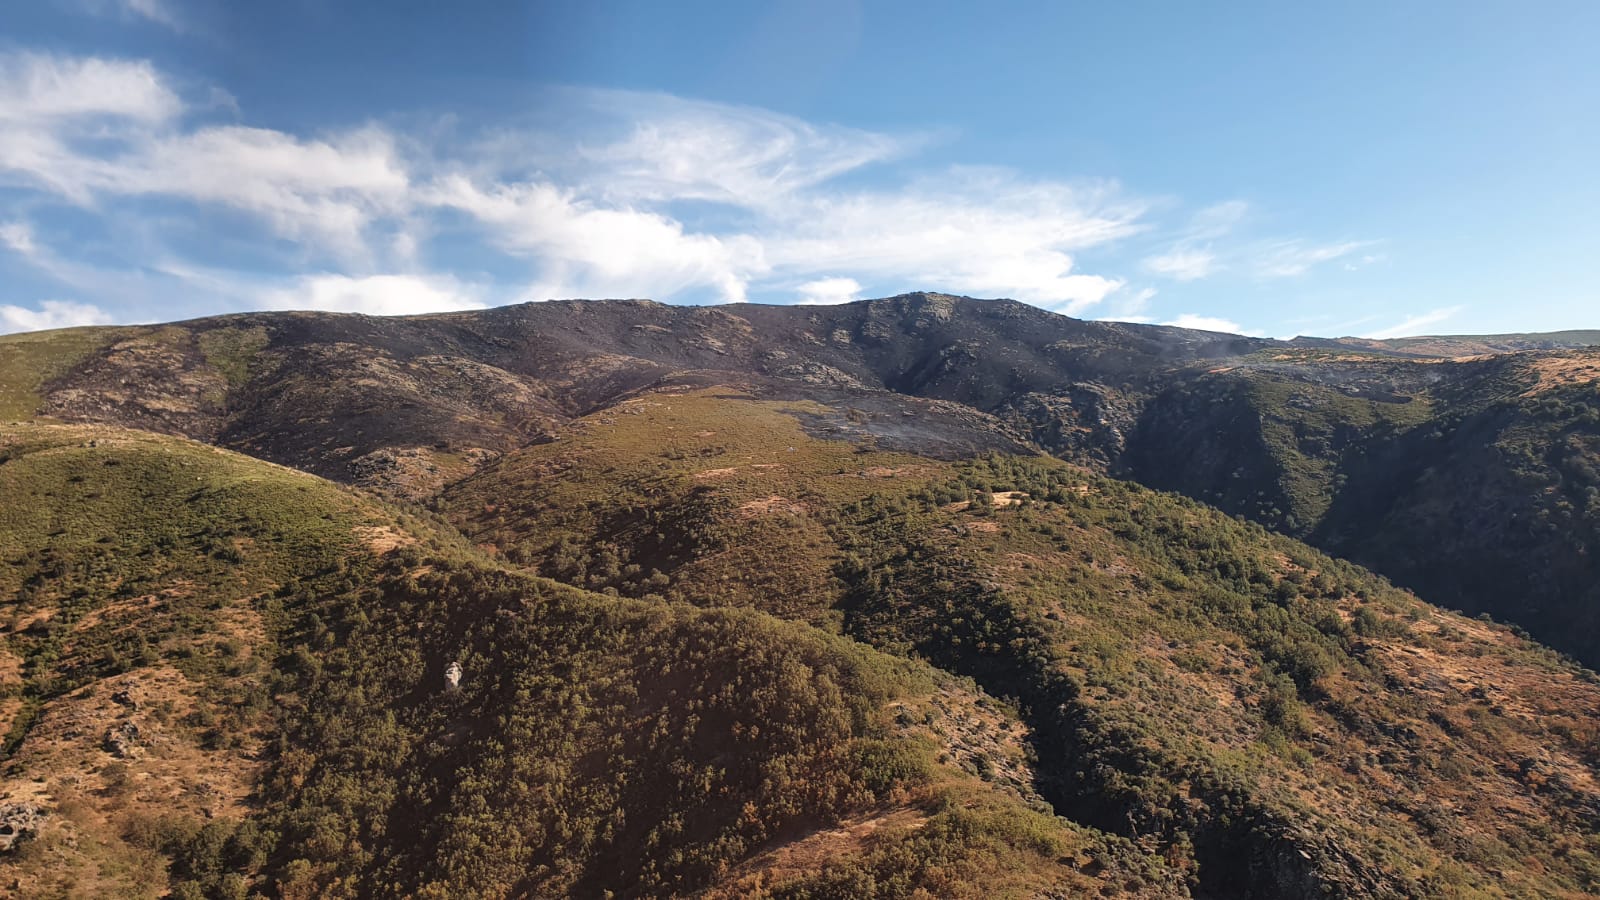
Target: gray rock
17,821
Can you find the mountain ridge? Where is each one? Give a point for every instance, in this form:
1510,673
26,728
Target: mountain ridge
816,603
1286,433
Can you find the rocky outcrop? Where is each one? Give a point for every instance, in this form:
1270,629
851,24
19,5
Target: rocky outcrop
17,822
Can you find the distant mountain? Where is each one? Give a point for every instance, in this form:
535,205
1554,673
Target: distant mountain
1459,345
793,603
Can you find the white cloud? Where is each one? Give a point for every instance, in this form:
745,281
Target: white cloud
18,237
44,88
326,191
1287,259
377,295
51,314
972,231
589,250
614,194
1414,325
1182,264
1209,245
1187,260
603,216
159,12
829,292
86,128
1209,323
1217,220
1367,259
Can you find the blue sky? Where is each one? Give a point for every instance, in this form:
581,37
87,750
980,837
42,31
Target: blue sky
1363,168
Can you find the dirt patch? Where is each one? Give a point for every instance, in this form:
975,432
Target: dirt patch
10,666
976,734
1009,498
381,539
169,769
895,471
242,627
713,474
132,606
22,621
9,707
773,505
1559,371
416,473
809,854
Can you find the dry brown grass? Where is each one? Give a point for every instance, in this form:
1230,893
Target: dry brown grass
95,799
1556,371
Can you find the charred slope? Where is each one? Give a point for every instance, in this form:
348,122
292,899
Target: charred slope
361,398
1365,448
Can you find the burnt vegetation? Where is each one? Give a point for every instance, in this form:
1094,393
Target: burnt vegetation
770,602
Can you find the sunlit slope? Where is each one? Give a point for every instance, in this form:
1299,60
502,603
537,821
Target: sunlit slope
225,677
1239,703
30,361
137,574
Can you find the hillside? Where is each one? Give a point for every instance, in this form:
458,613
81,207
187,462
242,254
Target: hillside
1363,448
759,601
1269,720
1476,483
224,677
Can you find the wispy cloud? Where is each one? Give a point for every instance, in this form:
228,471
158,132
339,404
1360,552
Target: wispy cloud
18,238
158,12
1414,325
656,148
1192,257
1212,242
45,91
88,128
1182,264
1129,306
51,314
603,212
1292,258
